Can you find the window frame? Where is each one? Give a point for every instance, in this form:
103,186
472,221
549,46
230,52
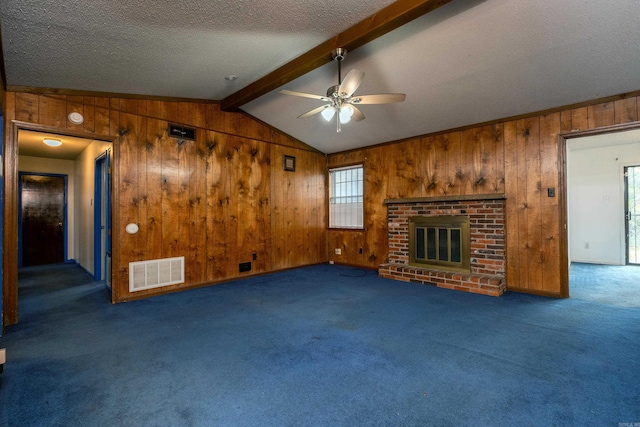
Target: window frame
332,197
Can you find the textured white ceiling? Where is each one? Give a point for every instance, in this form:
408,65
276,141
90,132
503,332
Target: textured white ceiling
467,62
474,61
167,48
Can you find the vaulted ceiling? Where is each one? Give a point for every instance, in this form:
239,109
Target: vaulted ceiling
460,62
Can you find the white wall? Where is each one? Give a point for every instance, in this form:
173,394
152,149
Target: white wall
62,167
85,179
596,201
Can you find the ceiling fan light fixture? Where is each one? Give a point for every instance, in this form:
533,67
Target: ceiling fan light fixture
328,113
52,142
345,114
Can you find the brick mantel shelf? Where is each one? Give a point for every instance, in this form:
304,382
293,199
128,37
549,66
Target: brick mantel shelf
486,214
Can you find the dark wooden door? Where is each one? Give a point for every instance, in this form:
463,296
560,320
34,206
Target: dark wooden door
43,205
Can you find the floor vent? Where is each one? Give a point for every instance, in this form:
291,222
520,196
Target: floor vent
155,273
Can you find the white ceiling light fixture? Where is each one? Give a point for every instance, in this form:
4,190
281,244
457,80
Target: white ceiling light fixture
341,96
328,112
52,142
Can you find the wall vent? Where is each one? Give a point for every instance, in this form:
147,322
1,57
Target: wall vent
155,273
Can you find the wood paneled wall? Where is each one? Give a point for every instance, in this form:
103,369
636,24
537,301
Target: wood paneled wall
217,200
519,158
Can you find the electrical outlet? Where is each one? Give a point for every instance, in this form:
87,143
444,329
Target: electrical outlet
255,256
338,251
586,245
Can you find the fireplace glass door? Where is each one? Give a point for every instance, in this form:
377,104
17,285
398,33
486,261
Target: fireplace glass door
441,242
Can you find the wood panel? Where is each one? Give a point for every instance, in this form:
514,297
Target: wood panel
27,108
279,251
625,111
151,186
600,115
260,182
529,137
550,206
209,200
454,173
580,118
512,205
218,204
404,178
304,212
376,167
430,167
237,200
469,150
128,194
197,210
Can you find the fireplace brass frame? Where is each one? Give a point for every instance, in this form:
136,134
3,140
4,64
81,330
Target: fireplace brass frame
442,221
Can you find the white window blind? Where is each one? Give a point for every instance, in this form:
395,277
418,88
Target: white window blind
346,197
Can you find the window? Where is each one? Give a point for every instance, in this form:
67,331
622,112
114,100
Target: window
346,197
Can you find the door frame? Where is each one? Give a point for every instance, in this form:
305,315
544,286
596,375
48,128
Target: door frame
625,198
10,230
2,156
562,178
101,181
65,212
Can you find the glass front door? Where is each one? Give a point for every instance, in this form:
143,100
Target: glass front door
632,213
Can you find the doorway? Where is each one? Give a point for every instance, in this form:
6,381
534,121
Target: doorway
632,214
42,222
602,176
76,158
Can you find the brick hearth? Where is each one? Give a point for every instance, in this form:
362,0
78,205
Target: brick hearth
486,227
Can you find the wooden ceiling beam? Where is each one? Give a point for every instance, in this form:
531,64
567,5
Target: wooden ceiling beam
388,19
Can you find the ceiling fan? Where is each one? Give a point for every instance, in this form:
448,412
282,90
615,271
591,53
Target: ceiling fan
341,98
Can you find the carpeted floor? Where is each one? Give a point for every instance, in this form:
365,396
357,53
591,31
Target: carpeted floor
316,346
615,285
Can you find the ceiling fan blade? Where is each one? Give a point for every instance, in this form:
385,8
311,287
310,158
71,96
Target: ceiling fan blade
351,82
304,95
314,111
380,98
357,114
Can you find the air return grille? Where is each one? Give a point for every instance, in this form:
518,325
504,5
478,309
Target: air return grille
155,273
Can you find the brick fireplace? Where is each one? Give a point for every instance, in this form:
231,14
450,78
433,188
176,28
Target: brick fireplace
487,255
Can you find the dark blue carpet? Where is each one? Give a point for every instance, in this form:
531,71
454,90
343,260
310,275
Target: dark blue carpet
616,285
317,346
